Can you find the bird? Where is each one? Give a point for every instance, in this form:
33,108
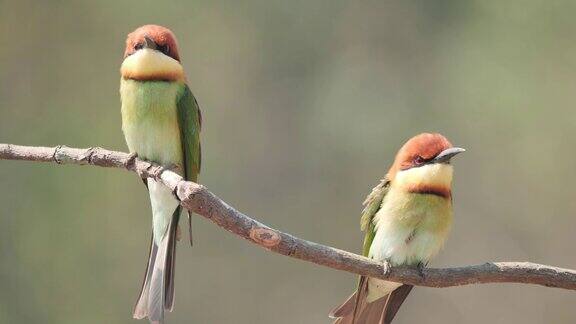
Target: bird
161,122
407,218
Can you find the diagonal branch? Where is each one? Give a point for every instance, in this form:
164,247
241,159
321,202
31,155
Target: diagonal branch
200,200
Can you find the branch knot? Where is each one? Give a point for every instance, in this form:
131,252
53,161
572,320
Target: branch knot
265,236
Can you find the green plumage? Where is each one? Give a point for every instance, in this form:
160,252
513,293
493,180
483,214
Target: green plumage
371,206
190,122
161,122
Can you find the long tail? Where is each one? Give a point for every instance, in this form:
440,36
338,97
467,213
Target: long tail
157,293
356,310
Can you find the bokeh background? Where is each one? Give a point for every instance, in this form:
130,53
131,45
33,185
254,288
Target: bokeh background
304,104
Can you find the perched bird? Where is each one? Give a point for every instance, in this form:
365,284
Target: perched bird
161,123
406,217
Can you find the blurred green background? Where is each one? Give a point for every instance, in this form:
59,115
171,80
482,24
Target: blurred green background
304,104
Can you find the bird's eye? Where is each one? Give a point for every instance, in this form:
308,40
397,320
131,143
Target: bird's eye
164,49
138,46
418,160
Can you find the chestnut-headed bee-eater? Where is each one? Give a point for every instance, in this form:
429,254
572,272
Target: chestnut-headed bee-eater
161,123
406,217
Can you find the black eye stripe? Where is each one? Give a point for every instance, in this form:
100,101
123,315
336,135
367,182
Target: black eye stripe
164,49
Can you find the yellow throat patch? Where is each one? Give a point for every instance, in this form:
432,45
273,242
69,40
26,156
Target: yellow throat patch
437,175
147,64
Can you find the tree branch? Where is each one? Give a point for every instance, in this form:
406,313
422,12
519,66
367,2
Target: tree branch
200,200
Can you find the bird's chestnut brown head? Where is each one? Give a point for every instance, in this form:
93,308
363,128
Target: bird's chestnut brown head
424,161
151,54
153,37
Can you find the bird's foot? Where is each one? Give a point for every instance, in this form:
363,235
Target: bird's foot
386,267
420,267
131,159
170,167
131,165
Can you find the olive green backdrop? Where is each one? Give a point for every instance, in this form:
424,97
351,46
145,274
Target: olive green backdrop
305,104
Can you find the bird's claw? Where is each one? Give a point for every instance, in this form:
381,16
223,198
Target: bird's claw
386,267
420,267
131,159
170,167
131,165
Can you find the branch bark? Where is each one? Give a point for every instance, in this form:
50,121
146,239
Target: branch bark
200,200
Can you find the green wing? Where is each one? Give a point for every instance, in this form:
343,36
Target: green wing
190,121
371,206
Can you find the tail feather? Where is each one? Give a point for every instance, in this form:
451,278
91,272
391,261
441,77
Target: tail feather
394,301
346,308
171,261
155,305
141,308
157,293
356,310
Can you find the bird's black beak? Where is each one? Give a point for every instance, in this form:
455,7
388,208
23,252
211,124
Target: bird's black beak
149,43
447,154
